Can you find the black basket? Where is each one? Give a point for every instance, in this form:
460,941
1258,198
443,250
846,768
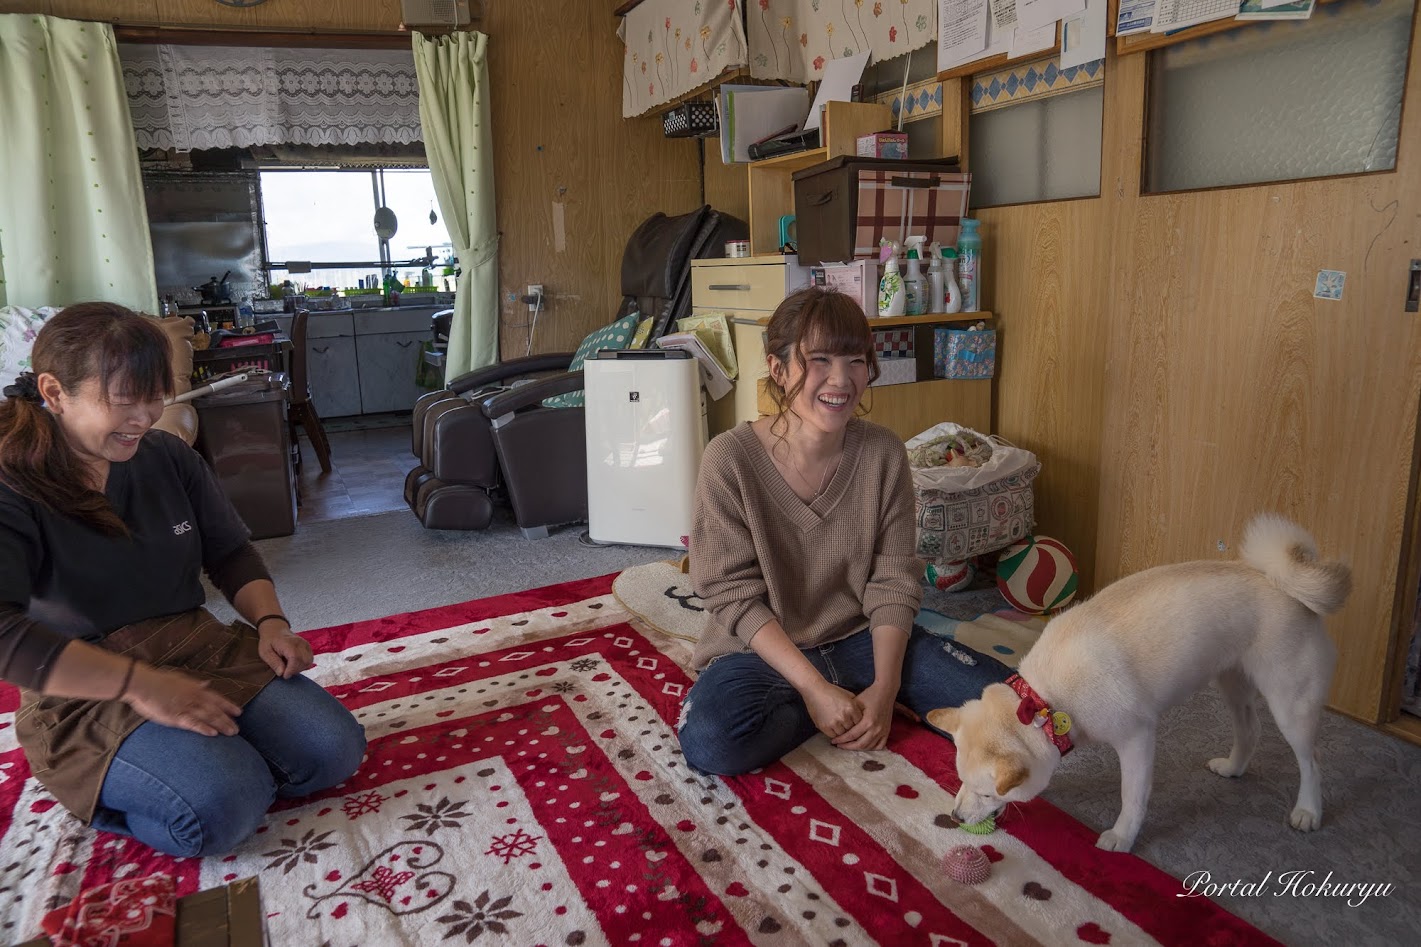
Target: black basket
691,120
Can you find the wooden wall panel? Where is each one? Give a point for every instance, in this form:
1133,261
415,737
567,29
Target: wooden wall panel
574,178
727,186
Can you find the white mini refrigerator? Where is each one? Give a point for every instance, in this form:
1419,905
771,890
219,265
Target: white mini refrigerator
645,436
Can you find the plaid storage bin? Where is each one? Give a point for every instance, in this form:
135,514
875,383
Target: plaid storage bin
846,205
964,353
691,120
967,523
893,343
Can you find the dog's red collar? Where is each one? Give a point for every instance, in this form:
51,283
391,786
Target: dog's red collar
1034,711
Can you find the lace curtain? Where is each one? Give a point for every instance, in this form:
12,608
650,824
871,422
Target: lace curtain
676,46
793,39
187,97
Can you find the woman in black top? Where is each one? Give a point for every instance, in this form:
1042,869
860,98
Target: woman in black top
141,713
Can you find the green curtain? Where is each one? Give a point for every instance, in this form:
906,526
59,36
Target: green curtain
73,223
453,110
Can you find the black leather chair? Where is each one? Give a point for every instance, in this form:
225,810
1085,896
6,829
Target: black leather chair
487,436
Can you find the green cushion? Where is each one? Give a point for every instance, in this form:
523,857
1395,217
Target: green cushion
618,335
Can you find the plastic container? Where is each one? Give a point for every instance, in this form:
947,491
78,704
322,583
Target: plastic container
936,299
952,293
243,434
914,288
890,289
969,266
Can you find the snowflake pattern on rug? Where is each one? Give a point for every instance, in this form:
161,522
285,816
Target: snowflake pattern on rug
524,785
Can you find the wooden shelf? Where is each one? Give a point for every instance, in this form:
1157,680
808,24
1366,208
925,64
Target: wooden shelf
772,179
893,322
928,319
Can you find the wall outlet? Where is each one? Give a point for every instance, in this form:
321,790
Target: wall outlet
535,296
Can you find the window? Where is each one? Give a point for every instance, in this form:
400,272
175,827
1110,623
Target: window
1278,101
1034,133
328,217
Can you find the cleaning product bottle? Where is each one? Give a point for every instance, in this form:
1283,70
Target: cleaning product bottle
952,301
914,297
890,288
969,267
935,284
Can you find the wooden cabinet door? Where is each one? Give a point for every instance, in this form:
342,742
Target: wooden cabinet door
389,363
334,376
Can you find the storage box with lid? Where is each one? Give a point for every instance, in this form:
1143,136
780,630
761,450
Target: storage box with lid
845,206
964,353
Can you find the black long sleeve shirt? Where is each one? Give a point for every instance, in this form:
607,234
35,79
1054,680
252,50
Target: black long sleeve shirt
62,580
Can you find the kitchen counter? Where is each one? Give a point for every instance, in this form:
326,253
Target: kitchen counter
364,361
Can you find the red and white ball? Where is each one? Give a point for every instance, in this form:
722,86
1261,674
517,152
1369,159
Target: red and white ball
1037,575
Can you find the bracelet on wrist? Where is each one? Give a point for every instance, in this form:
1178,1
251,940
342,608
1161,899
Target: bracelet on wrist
127,679
266,618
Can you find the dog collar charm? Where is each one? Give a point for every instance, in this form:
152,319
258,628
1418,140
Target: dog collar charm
1034,711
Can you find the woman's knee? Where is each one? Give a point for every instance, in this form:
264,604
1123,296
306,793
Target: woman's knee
335,753
215,816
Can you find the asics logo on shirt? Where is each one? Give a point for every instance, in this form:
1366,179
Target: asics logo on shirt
181,528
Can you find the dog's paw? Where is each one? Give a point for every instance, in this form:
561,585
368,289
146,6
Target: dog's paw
1111,842
1224,767
1305,820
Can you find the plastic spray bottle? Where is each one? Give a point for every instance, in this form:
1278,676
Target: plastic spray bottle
913,286
890,288
969,267
952,292
936,299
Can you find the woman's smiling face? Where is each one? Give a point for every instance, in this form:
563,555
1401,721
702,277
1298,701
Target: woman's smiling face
833,385
102,428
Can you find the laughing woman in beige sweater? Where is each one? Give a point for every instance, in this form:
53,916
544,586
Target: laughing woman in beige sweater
803,549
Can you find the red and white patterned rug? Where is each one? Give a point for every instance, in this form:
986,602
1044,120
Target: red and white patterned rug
524,786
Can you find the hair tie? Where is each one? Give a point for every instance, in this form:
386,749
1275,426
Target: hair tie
25,388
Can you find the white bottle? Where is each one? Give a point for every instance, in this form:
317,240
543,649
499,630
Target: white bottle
913,285
936,299
890,288
953,300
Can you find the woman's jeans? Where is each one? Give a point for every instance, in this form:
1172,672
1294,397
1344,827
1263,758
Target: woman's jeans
188,795
741,714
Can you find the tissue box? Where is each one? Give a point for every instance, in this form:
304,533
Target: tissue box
883,145
896,371
964,353
858,280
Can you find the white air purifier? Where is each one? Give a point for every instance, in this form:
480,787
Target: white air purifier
645,436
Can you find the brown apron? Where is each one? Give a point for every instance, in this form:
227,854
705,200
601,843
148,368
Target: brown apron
71,741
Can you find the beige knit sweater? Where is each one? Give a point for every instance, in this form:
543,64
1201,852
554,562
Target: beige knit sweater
825,569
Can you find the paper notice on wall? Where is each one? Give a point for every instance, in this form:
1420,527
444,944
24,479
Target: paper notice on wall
962,32
1083,37
1177,14
1003,15
1026,42
1035,14
1276,9
1135,16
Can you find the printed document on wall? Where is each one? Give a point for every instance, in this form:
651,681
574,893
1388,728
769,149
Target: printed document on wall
1177,14
1083,37
1035,14
962,32
1135,16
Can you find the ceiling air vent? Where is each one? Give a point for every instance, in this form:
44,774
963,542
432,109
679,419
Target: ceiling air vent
452,13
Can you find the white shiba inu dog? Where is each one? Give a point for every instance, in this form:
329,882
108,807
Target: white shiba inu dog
1105,670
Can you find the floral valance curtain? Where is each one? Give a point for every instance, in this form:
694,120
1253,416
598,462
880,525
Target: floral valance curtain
676,46
793,39
187,97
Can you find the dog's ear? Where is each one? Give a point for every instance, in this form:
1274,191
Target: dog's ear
1010,774
945,719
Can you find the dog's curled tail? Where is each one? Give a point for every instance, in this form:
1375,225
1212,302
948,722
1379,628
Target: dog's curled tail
1287,554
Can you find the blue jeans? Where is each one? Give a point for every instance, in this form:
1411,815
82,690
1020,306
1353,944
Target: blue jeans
188,795
741,714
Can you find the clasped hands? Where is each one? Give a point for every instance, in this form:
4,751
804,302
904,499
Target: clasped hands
854,722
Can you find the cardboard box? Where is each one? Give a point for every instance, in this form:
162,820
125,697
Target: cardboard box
857,280
883,145
896,371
